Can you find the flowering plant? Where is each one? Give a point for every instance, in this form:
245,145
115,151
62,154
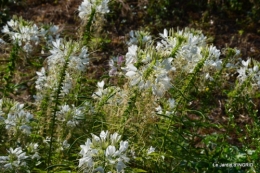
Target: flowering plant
104,153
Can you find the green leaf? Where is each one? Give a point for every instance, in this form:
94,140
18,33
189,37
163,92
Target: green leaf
138,170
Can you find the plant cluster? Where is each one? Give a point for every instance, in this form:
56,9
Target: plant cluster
172,103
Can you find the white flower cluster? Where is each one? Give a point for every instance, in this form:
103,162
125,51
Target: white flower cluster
61,53
113,95
101,92
115,65
247,71
170,109
153,73
101,154
16,160
187,40
17,119
189,47
148,66
28,35
73,115
139,38
33,150
86,7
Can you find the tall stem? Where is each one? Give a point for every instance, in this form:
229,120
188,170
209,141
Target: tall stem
55,109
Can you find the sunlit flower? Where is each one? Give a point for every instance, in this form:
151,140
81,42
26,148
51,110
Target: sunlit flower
84,9
138,37
115,64
151,150
103,7
246,63
111,151
123,146
16,160
79,63
87,152
242,74
171,102
114,138
100,90
17,118
95,152
131,55
87,6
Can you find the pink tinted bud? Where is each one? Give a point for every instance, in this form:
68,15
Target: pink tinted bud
120,60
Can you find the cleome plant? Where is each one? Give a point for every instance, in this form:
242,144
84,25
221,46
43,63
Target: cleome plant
172,103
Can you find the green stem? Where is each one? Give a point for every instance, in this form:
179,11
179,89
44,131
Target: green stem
87,31
11,68
185,89
55,109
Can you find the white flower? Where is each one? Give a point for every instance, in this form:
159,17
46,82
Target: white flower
85,9
255,68
103,135
134,75
85,160
101,84
99,169
33,150
87,6
171,103
131,55
100,91
17,118
12,23
96,140
15,160
159,110
113,68
87,152
65,144
150,150
54,29
114,138
25,33
131,70
67,84
246,63
78,63
103,7
208,77
161,85
213,51
92,152
123,146
242,74
166,64
111,151
2,41
120,166
165,34
5,30
133,40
